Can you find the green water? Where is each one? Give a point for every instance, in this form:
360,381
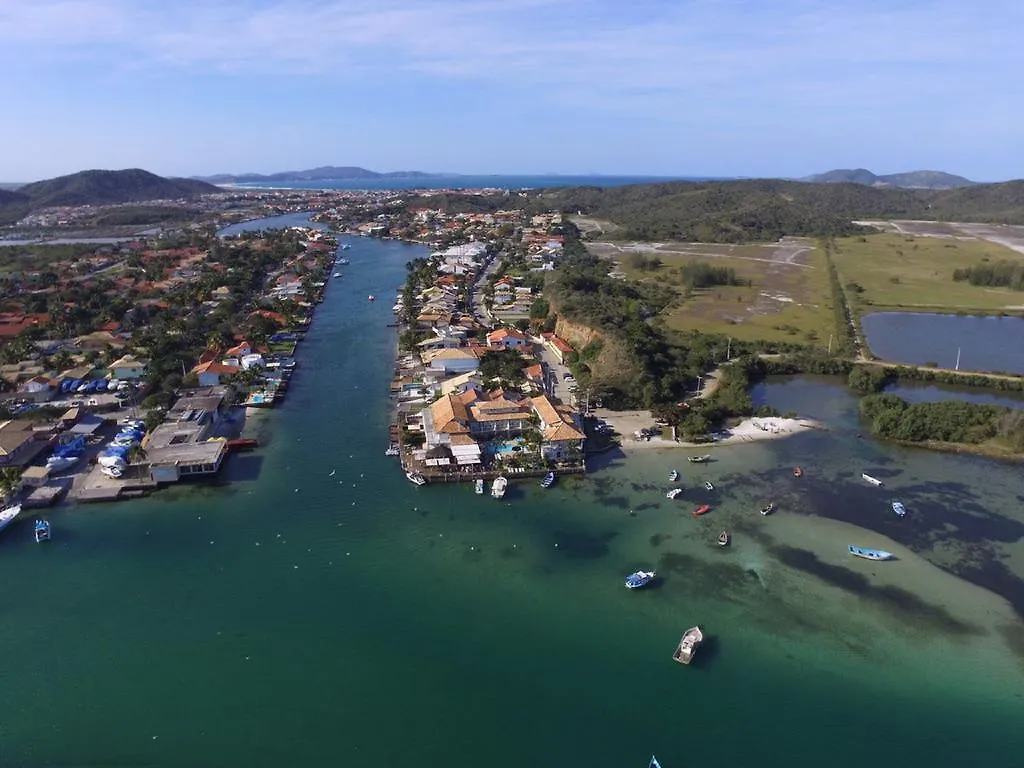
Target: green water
292,617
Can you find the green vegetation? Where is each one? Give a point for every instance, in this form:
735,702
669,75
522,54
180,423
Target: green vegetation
950,421
504,364
901,271
1004,274
846,336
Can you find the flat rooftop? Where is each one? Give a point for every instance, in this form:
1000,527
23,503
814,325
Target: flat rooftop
206,452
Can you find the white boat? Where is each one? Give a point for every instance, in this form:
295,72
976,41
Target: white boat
870,554
673,493
371,297
673,476
479,486
114,470
43,531
60,463
392,450
870,479
708,485
898,508
499,486
336,274
415,478
9,514
639,579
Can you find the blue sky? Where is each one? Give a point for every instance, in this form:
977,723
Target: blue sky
660,87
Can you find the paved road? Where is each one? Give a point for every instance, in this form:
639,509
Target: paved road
476,300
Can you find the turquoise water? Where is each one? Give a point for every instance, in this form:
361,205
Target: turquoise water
288,616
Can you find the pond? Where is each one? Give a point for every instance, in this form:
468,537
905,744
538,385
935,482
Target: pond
983,343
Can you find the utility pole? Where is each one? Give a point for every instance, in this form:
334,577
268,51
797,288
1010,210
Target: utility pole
728,350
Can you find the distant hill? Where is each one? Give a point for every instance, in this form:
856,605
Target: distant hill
312,174
96,188
908,180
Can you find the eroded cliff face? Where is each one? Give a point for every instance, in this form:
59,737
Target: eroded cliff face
614,366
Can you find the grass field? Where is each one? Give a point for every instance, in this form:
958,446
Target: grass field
895,271
789,298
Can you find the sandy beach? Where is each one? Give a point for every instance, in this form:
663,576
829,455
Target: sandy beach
628,423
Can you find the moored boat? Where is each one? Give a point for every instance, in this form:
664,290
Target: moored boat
708,485
898,508
548,481
723,539
768,508
798,472
699,459
703,509
673,493
870,554
9,514
499,486
392,450
673,476
654,763
639,579
415,478
479,486
870,479
42,531
688,645
371,297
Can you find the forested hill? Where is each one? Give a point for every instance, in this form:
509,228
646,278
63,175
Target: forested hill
738,211
97,188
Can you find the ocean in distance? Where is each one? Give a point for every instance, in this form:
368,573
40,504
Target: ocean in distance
315,609
485,181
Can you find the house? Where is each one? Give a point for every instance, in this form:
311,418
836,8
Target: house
38,389
507,339
535,375
18,444
128,368
239,351
451,361
559,347
212,372
252,361
560,432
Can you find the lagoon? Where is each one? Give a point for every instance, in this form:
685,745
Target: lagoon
991,344
316,609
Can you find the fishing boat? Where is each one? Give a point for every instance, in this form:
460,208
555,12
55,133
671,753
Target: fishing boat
798,472
639,579
548,481
688,645
673,476
371,297
703,509
9,514
870,554
499,486
699,459
873,480
708,485
479,486
723,539
673,493
415,478
898,508
767,509
42,531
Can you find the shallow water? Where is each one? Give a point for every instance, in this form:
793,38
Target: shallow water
292,617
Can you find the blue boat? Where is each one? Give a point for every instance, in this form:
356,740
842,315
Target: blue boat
898,508
548,481
870,554
42,531
639,579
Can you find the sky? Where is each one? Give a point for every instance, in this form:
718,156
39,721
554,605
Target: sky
647,87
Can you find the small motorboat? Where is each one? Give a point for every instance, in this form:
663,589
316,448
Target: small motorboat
371,297
688,645
392,450
9,514
639,579
654,763
42,531
708,485
673,493
723,539
673,476
479,486
870,554
499,486
548,481
767,509
415,478
898,508
336,275
699,459
703,509
798,472
873,480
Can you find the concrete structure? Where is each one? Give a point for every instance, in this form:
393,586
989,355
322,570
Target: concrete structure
128,368
180,447
19,443
452,361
